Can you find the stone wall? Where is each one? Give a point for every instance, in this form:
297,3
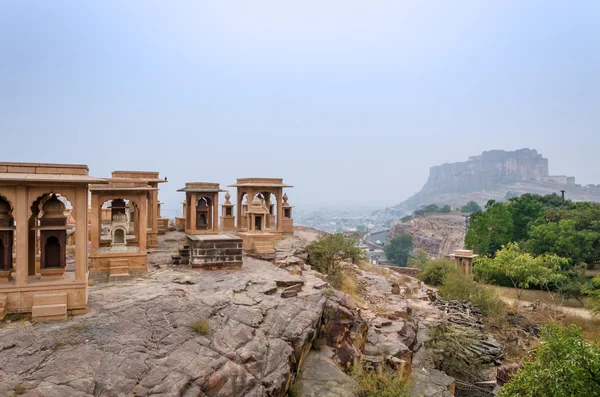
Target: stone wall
211,252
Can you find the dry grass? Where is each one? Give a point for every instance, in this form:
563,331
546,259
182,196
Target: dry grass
530,295
18,390
590,326
201,326
348,284
91,282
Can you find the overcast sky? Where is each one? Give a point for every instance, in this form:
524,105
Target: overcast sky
349,101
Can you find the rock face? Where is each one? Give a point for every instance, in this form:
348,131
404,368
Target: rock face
136,338
321,377
438,235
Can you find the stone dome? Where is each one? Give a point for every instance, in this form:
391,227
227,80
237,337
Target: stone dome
256,202
53,208
227,196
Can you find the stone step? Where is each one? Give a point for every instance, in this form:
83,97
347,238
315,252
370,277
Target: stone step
49,312
50,299
3,305
119,278
119,270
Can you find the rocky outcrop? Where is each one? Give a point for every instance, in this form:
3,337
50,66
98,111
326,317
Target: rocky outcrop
322,377
438,235
137,340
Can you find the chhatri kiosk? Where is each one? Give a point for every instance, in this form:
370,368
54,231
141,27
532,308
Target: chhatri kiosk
207,247
120,224
261,214
32,208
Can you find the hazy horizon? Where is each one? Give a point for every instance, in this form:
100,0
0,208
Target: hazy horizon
350,102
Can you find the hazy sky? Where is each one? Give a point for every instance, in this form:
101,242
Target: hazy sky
350,101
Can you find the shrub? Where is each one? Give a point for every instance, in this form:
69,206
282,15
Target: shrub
201,326
458,286
564,364
327,252
436,271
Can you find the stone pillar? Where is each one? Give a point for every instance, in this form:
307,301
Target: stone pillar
95,222
215,215
22,236
142,216
31,238
279,210
80,209
193,203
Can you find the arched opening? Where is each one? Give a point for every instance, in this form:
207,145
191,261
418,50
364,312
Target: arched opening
7,225
52,252
119,237
204,210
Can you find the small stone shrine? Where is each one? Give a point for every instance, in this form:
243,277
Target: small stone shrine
464,260
260,218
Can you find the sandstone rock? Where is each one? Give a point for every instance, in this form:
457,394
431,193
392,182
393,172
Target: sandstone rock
321,377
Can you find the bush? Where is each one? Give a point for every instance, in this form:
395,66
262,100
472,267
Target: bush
201,326
458,286
436,271
564,364
327,252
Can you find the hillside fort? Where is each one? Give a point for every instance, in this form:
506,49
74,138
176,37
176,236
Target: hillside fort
492,168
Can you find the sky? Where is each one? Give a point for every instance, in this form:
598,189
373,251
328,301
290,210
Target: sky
349,101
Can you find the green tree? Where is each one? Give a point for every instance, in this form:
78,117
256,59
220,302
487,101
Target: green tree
327,252
489,230
521,268
524,210
446,209
419,259
563,239
564,365
431,208
471,206
398,249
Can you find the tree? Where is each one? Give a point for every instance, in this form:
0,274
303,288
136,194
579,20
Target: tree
398,249
431,208
563,365
471,206
575,284
563,239
419,259
446,209
524,211
489,230
521,268
327,252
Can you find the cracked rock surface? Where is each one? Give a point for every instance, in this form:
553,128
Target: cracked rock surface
136,338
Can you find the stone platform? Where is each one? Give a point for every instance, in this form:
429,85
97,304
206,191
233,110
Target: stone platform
215,250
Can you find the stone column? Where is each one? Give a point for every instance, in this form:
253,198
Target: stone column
80,208
215,215
31,237
193,203
154,211
95,222
239,207
143,219
279,210
22,236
